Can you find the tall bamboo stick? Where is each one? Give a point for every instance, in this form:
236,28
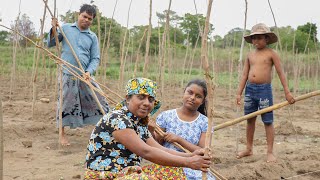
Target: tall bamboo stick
164,51
105,55
209,81
138,53
262,111
1,141
185,60
146,56
240,67
35,70
275,23
123,49
14,55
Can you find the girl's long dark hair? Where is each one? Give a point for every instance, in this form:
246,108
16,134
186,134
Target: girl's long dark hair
203,107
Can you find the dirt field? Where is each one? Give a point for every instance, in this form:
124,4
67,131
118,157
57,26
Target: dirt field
31,148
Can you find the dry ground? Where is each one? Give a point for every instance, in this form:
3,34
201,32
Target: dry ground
297,141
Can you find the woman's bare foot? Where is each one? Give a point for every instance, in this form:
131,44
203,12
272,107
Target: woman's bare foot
244,154
64,141
271,158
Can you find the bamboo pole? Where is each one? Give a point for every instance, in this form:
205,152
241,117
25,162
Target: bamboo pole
59,74
138,53
123,49
185,60
35,73
108,42
275,23
192,56
14,55
262,111
209,81
146,56
164,50
240,68
1,141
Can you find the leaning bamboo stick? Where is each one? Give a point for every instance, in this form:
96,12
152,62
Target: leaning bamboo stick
262,111
213,171
64,63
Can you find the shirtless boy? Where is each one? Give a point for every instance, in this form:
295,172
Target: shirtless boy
256,78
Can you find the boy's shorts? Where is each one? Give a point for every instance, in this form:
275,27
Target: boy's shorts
258,96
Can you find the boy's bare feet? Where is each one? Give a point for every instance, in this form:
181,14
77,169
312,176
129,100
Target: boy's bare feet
271,158
244,154
64,141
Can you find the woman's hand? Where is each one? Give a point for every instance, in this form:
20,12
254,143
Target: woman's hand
170,137
199,163
151,125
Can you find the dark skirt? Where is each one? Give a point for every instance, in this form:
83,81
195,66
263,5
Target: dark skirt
79,108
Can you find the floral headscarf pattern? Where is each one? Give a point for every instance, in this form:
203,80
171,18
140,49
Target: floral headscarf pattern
141,86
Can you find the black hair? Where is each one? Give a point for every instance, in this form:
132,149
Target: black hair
203,107
88,9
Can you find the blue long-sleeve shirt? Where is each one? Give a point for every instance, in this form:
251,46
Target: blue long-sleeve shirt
84,43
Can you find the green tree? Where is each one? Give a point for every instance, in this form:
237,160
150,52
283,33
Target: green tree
191,26
233,38
173,17
309,28
4,37
69,17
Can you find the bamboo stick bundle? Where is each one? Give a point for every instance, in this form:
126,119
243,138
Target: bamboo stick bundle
262,111
72,69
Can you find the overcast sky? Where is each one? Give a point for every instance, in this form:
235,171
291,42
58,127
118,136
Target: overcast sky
225,14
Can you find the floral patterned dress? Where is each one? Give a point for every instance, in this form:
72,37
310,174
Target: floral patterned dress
109,159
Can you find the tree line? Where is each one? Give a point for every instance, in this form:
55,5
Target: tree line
183,31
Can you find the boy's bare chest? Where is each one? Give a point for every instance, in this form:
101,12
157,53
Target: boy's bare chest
260,60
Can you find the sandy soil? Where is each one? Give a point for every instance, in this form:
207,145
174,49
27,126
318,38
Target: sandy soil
31,148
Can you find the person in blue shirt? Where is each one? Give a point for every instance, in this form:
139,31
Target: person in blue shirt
186,125
79,106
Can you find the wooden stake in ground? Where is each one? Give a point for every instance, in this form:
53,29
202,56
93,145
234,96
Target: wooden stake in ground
146,57
210,84
164,50
262,111
1,141
14,53
105,56
123,50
